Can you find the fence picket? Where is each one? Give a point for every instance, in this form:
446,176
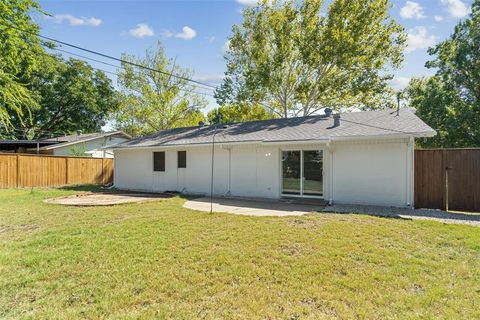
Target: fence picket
24,170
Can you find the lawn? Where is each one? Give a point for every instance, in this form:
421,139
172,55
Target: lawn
158,260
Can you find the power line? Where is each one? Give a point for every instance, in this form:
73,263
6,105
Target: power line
376,127
116,74
106,63
112,57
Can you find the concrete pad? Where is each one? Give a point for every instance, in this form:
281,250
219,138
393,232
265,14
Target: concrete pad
106,198
251,207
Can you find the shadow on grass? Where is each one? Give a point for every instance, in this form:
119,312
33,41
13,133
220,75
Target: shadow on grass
85,188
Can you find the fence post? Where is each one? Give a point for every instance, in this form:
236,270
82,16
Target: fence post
103,172
66,170
18,170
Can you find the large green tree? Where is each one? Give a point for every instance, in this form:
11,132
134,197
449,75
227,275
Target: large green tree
290,58
19,52
71,96
239,113
156,98
450,100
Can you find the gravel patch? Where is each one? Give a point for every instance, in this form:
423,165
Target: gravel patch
408,213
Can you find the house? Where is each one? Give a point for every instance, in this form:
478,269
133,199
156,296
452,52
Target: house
23,146
94,145
358,157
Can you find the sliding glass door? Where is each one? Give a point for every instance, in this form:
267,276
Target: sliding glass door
291,172
302,173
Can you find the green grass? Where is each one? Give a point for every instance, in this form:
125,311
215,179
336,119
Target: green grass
158,260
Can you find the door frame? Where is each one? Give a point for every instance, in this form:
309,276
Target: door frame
301,149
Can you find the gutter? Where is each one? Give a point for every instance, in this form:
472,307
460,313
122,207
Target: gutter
282,142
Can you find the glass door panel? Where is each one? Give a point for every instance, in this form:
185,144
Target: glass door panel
313,173
291,172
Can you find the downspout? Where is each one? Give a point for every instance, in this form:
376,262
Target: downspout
330,174
213,163
229,191
410,170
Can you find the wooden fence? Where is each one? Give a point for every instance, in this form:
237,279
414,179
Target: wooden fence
448,177
22,170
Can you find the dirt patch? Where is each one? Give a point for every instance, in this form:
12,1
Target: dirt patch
107,198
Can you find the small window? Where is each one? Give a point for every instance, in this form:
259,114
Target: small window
159,161
182,159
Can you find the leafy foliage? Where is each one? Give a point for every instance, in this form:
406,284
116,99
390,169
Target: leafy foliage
19,52
71,95
239,113
450,100
292,60
153,101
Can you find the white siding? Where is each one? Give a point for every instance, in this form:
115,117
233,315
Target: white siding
90,146
369,172
235,171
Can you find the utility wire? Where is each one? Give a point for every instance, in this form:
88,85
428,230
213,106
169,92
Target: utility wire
105,63
376,127
120,67
111,57
116,74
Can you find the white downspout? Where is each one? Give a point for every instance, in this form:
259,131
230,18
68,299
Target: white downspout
229,191
410,171
330,174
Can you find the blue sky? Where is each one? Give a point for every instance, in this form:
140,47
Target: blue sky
195,32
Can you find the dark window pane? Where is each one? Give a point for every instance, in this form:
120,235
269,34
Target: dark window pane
182,159
291,172
159,161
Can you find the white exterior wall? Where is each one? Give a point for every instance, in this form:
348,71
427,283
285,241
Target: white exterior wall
90,146
373,172
241,171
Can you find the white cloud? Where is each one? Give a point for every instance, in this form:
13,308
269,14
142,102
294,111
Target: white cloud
456,8
210,39
400,83
142,30
419,38
187,33
248,2
438,18
412,10
76,21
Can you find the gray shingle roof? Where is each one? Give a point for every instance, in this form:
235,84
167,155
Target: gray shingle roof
354,124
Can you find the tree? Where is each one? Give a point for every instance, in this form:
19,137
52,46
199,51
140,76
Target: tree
450,100
153,101
441,107
19,51
239,113
71,96
292,60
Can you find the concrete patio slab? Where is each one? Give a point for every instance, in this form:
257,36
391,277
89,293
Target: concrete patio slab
252,207
106,198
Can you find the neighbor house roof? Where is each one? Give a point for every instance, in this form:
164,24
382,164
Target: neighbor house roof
366,124
63,141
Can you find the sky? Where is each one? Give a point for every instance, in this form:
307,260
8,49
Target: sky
195,32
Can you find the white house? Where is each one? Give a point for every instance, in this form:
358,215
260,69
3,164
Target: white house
360,157
94,145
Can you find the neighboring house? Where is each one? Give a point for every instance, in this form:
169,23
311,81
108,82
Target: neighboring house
94,145
360,157
22,146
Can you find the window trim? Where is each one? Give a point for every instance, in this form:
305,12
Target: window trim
184,164
155,169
